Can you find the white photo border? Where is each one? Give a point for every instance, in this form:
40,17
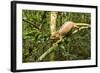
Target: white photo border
19,66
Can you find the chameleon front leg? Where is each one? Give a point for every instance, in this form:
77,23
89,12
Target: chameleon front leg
60,39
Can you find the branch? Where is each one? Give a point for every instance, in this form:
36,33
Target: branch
53,19
82,24
47,52
79,30
31,23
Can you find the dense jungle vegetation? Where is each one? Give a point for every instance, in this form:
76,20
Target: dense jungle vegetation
36,37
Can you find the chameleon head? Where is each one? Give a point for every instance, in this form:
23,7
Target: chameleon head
56,36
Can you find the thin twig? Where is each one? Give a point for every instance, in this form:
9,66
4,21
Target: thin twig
79,29
82,24
31,23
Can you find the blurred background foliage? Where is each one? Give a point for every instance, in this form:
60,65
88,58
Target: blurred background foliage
36,36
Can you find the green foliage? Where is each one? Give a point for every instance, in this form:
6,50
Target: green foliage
36,41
